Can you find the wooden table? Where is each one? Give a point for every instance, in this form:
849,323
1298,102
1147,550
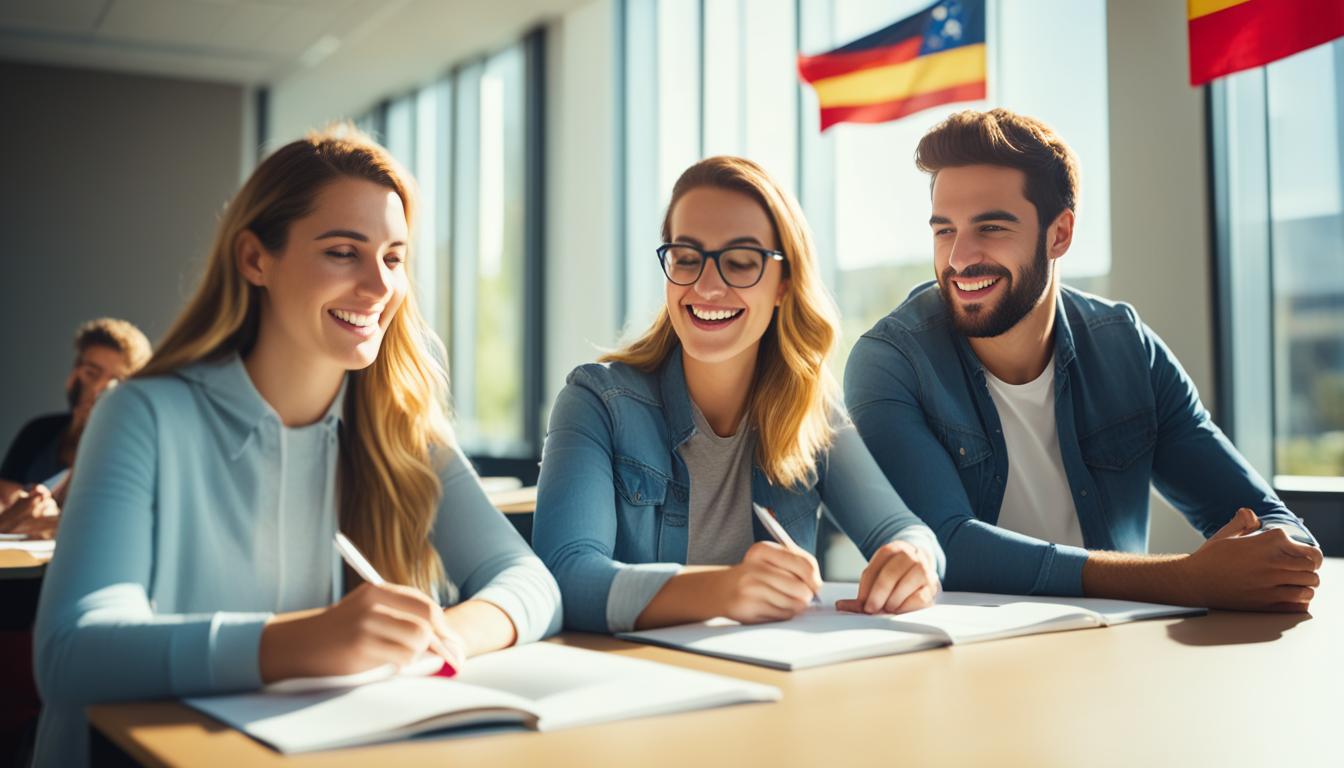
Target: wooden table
20,585
18,564
515,501
1223,689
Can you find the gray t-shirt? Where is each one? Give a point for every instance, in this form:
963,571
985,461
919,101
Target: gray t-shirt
720,505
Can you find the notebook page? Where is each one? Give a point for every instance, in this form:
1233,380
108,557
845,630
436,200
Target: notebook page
570,687
379,712
976,623
819,636
35,547
964,617
1111,611
425,665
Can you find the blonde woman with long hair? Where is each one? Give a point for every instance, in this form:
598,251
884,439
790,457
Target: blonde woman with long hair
656,454
297,394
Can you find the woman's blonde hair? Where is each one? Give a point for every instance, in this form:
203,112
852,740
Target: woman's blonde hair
793,390
395,410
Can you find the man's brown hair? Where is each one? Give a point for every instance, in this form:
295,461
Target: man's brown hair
115,334
1005,138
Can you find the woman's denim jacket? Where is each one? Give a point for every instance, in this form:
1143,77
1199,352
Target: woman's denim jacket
612,506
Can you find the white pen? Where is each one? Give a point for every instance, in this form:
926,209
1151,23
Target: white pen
360,564
780,535
355,559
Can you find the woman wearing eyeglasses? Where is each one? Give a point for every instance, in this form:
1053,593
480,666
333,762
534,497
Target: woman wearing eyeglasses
656,454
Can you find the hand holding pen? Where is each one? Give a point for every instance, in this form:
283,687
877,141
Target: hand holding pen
373,625
774,582
781,535
441,639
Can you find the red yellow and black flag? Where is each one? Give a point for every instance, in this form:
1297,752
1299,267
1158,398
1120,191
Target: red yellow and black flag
1228,36
934,57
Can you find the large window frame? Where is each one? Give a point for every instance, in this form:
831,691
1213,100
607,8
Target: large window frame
1240,165
1243,275
448,232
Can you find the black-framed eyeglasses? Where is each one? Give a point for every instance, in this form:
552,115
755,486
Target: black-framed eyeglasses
740,266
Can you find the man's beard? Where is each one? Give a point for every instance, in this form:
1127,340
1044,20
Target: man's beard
973,320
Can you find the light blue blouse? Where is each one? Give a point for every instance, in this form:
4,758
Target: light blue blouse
159,588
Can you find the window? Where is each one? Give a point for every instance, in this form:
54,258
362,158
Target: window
700,105
488,290
472,141
1278,141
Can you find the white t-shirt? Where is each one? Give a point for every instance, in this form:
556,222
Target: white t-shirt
293,541
1037,500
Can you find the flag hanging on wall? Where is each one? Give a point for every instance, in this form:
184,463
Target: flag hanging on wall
936,56
1228,36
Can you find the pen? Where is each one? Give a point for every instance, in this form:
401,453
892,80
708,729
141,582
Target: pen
355,559
780,535
360,564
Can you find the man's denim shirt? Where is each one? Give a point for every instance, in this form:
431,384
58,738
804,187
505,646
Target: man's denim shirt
1127,416
614,493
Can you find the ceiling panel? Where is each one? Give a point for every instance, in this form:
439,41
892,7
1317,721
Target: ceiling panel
264,41
194,66
168,22
71,16
275,29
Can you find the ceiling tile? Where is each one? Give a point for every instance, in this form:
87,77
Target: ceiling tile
71,16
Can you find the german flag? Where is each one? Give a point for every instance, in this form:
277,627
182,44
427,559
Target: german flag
1228,36
935,57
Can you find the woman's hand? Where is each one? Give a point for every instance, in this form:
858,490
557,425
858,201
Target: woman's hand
901,577
772,583
371,626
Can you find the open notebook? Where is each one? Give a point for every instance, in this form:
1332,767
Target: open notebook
823,635
542,686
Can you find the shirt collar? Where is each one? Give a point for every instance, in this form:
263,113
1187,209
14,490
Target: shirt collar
229,388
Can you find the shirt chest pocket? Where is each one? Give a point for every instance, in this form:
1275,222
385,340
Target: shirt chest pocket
966,447
1115,447
638,485
646,497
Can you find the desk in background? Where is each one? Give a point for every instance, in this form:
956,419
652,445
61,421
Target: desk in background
20,583
1224,689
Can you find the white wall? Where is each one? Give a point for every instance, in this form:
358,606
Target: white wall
112,185
1161,254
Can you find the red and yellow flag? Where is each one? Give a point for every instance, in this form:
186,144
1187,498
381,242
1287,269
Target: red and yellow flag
934,57
1228,36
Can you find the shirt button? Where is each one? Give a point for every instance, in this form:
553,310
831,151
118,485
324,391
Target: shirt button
962,451
1084,491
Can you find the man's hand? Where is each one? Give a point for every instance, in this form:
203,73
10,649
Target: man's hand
1245,568
34,513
